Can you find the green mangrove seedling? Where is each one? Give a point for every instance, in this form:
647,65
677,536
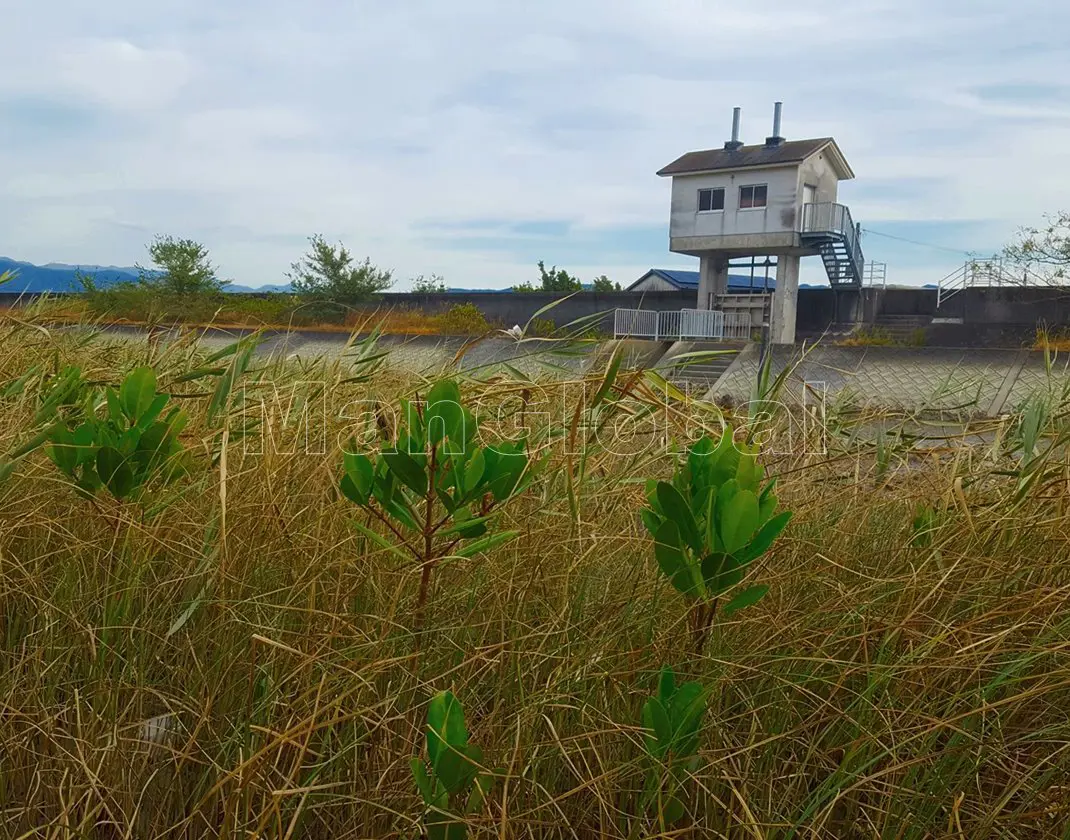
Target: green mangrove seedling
672,719
433,487
132,445
709,523
456,784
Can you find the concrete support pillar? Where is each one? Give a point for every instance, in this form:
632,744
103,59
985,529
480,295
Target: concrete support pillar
785,301
713,279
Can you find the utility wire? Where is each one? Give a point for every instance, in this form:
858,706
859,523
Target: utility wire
916,242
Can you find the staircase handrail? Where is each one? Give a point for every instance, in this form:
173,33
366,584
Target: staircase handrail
974,270
839,222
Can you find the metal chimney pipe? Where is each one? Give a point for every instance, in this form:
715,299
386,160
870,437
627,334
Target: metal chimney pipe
776,139
734,143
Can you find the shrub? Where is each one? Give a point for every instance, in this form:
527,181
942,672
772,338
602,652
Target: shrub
127,448
672,719
463,319
433,285
147,303
541,328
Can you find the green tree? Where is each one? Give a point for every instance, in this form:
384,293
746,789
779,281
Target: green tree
433,285
330,272
1043,252
181,267
558,280
604,284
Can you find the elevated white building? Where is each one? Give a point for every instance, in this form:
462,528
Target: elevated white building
778,198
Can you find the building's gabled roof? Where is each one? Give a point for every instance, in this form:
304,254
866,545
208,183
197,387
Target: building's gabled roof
745,157
680,279
688,280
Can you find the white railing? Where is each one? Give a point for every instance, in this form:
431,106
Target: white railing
826,217
710,324
737,325
635,323
668,325
700,323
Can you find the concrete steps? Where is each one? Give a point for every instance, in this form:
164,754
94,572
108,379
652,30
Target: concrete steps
902,328
701,374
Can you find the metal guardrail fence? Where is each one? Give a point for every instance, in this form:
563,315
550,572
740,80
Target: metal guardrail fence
875,274
710,324
635,323
737,325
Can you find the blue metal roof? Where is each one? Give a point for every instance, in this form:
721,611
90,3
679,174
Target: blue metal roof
689,279
680,279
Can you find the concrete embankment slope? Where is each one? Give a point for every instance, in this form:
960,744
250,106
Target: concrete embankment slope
960,382
972,382
425,354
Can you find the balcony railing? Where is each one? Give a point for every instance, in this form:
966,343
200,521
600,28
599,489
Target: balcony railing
826,217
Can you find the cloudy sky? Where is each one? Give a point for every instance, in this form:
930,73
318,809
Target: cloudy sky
472,138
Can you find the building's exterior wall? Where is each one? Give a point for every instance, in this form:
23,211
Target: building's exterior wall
818,172
778,216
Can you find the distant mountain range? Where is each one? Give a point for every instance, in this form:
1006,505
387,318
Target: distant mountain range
57,277
60,277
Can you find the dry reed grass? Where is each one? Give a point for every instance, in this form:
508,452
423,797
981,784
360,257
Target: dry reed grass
252,672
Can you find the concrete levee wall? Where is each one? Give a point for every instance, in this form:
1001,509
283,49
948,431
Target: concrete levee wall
517,308
1006,316
823,309
508,308
978,317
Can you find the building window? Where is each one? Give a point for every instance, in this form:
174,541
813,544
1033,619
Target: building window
709,201
752,196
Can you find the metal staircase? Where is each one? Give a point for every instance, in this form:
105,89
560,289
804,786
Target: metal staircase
830,227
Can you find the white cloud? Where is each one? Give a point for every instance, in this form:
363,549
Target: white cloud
251,125
118,74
